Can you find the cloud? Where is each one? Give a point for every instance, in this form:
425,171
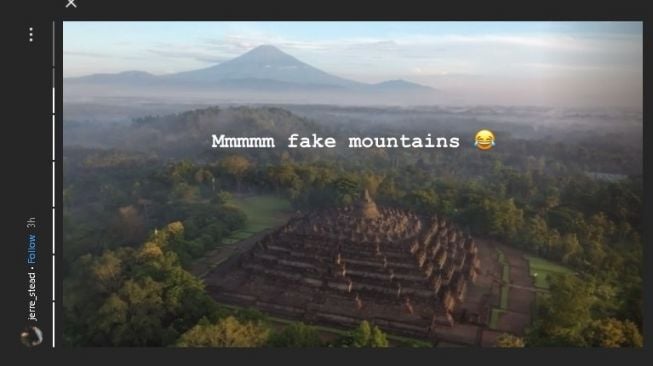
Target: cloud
206,57
242,42
101,55
84,54
564,67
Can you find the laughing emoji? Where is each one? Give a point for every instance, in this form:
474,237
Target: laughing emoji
484,140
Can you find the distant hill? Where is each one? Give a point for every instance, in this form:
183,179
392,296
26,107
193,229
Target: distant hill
122,77
262,74
398,85
188,134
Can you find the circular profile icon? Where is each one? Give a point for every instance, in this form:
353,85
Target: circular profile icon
484,140
31,336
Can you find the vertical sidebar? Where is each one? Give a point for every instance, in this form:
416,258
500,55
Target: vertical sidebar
54,180
30,286
57,163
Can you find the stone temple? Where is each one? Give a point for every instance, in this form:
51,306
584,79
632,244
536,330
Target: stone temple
406,273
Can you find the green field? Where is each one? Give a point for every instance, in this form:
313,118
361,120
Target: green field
495,313
500,256
494,317
263,212
505,279
504,297
505,273
541,270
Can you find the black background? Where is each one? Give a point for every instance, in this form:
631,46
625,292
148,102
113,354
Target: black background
27,153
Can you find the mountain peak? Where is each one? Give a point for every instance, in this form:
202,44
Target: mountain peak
265,49
267,53
267,62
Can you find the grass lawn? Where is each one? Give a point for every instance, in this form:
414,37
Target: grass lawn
505,279
505,270
505,273
495,313
501,257
542,270
239,235
263,212
503,301
494,317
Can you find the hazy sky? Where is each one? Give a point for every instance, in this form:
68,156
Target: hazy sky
538,63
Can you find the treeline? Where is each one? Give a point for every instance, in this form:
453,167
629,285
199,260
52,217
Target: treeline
187,135
252,329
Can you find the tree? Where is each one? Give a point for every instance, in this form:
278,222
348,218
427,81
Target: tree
493,216
296,335
566,220
107,271
506,340
203,175
518,185
112,318
611,333
181,171
594,253
536,235
184,192
236,166
570,248
284,175
388,189
563,314
367,335
371,182
227,332
347,189
632,334
508,218
569,302
130,224
422,200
